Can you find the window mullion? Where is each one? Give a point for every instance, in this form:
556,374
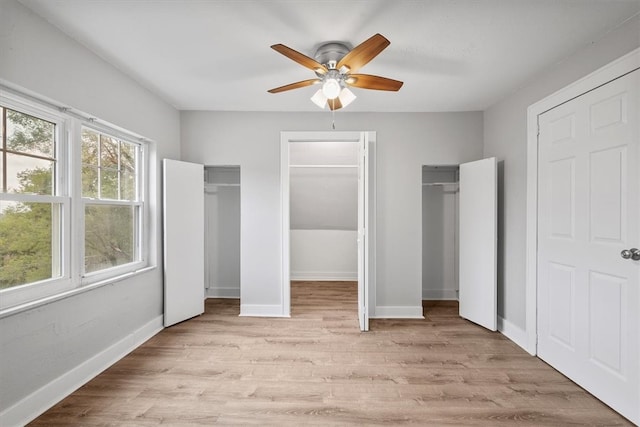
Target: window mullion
119,173
3,184
99,163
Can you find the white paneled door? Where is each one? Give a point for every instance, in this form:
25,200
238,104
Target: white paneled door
478,242
588,279
183,238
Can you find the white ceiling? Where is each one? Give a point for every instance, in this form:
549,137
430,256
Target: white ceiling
453,55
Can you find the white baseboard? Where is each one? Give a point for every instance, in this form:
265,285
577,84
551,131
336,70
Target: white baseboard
439,294
44,398
513,332
222,292
258,310
337,276
398,312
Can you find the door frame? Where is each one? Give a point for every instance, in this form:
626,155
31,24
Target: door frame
609,72
287,138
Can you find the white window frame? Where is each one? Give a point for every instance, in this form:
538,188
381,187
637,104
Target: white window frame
68,192
141,238
44,288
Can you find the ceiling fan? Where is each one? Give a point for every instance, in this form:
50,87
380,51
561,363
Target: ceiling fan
336,68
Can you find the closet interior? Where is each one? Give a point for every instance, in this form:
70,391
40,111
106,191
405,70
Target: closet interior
222,231
323,193
440,223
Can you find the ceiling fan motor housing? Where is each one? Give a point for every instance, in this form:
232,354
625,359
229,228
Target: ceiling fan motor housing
329,54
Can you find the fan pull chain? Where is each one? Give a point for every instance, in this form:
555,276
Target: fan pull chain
333,119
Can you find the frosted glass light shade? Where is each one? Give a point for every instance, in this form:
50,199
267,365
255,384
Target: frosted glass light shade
319,99
331,88
346,97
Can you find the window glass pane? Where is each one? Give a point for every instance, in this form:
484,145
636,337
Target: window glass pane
29,175
28,236
128,185
127,156
108,183
109,236
89,147
28,134
108,152
90,181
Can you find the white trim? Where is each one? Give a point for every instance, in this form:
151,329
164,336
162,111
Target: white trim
514,333
285,226
10,311
398,312
287,138
335,276
222,292
603,75
261,310
9,89
44,398
440,294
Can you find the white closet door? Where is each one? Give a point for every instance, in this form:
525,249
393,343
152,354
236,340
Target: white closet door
183,221
589,209
364,273
478,242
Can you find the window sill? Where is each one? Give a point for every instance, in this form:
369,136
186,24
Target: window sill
10,311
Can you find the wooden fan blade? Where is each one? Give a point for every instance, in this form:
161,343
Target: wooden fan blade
363,53
301,59
334,104
295,85
367,81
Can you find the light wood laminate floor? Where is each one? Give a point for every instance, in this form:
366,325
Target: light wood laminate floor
316,368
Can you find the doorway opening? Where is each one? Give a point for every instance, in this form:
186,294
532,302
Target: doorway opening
327,212
323,228
222,231
459,238
440,236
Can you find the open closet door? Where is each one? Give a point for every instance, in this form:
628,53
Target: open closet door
478,242
366,210
183,239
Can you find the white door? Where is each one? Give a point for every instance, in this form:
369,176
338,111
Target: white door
588,295
183,240
478,242
365,167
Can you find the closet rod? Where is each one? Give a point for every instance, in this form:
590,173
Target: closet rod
433,184
323,166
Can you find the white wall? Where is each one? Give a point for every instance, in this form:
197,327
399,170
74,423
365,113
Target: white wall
324,212
324,255
45,344
405,142
222,209
439,249
505,137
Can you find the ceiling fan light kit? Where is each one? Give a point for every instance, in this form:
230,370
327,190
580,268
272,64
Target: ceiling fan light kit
334,65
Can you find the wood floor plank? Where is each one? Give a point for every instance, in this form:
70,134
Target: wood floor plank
317,368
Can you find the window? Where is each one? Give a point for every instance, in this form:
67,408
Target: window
31,199
112,205
54,166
